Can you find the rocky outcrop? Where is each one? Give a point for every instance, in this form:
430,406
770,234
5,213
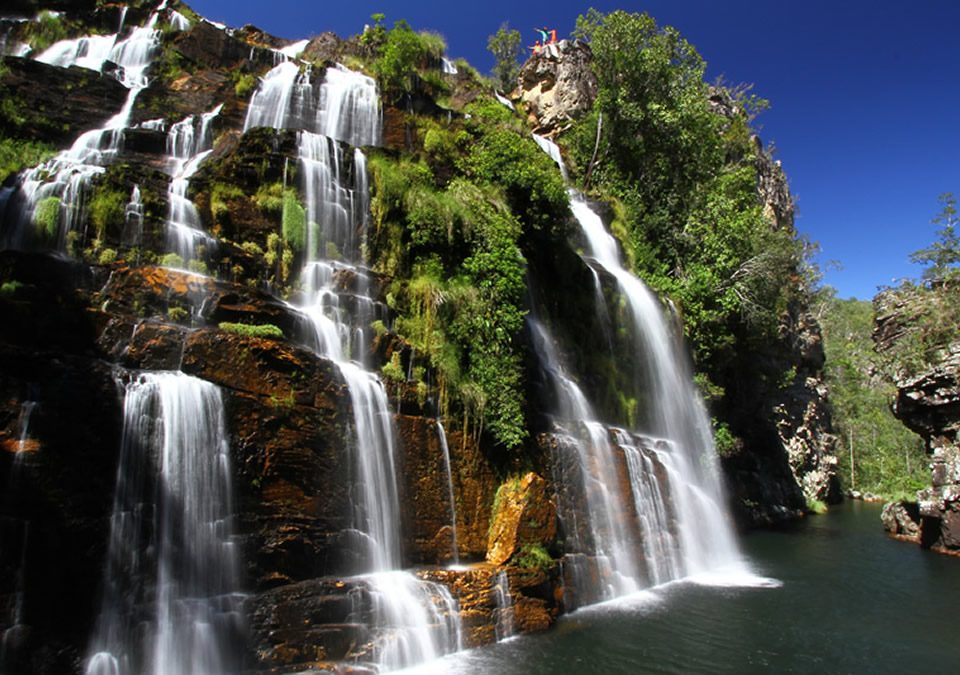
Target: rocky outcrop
523,515
557,85
802,415
901,520
927,402
71,100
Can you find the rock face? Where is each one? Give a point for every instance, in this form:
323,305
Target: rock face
523,515
929,404
792,462
557,85
802,417
902,520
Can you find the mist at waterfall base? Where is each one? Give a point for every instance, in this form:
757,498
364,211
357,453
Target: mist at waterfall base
852,601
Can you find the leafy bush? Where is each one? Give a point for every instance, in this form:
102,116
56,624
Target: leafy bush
17,154
107,207
403,53
294,221
244,84
107,256
533,556
46,216
49,27
266,330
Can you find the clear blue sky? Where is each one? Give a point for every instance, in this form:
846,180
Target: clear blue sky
865,97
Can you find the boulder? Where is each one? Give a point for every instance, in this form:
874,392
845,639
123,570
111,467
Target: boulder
557,85
901,519
523,514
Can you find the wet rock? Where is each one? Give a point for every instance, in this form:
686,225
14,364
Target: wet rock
523,514
71,100
901,519
425,499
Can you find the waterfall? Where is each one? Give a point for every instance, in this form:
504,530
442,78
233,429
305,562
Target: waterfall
504,627
133,219
14,540
412,620
674,517
188,144
447,66
442,434
170,600
52,198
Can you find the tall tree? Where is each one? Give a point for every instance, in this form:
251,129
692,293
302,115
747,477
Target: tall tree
505,47
944,254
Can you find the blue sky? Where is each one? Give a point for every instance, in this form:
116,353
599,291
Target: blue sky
865,98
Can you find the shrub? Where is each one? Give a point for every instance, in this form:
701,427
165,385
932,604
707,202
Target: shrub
533,556
46,216
107,207
266,330
107,256
294,220
245,84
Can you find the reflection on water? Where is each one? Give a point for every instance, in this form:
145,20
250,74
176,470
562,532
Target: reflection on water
851,601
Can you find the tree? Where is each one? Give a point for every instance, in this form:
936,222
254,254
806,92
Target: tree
505,47
943,255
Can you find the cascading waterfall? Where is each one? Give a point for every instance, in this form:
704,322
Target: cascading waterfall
188,144
503,626
171,601
674,518
14,539
442,434
61,185
414,620
133,219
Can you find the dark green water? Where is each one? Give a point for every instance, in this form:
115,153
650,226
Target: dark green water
851,601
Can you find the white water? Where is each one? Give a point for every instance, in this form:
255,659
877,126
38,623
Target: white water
15,537
68,176
447,66
413,620
133,219
680,523
442,435
345,107
171,517
504,613
188,144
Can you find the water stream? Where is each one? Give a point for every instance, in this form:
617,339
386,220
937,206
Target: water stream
171,600
413,621
672,521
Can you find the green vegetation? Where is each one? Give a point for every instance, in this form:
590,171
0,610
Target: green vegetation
17,154
942,256
46,216
876,452
8,289
107,207
244,84
49,27
533,556
682,179
294,221
505,47
404,56
264,330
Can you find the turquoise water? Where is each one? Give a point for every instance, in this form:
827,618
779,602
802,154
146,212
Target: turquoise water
850,600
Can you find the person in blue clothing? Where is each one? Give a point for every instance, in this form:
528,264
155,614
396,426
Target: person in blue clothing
544,35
